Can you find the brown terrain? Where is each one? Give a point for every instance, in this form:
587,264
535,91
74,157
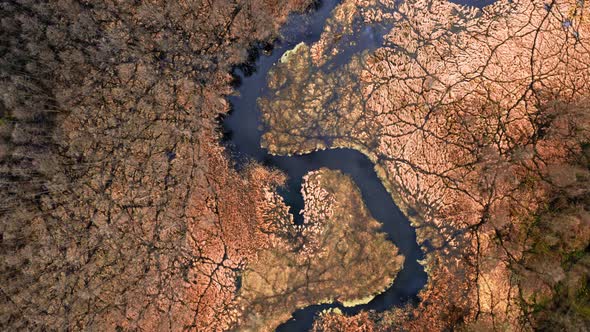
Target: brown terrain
478,123
120,209
337,254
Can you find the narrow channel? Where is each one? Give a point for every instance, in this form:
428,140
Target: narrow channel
242,134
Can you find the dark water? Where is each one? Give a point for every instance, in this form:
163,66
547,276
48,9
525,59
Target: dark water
474,3
242,133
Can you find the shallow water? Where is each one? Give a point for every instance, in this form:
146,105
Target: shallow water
242,129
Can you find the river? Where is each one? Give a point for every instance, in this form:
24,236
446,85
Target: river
242,134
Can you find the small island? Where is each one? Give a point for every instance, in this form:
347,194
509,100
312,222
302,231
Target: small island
338,254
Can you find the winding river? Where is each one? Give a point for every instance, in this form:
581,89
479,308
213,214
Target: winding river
242,134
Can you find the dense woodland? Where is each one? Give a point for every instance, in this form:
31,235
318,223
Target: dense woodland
120,210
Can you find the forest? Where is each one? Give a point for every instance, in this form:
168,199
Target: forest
122,210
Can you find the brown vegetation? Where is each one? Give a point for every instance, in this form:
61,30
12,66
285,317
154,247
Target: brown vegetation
119,209
118,206
475,120
338,254
335,321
